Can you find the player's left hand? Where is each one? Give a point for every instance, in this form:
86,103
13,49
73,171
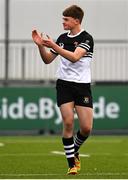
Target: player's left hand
48,42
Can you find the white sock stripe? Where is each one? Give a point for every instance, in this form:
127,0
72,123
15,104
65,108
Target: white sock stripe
69,151
77,145
69,146
79,141
70,156
75,137
75,140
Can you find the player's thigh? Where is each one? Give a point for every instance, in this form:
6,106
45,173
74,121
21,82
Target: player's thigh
67,111
64,92
85,116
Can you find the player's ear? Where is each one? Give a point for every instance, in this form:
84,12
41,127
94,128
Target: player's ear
77,21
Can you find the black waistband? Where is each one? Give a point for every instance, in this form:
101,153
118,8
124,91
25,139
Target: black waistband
71,82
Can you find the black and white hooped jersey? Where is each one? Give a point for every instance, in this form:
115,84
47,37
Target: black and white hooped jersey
79,71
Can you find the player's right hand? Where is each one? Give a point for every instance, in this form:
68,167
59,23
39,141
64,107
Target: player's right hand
37,38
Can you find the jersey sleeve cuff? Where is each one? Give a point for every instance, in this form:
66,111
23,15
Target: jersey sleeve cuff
84,46
54,52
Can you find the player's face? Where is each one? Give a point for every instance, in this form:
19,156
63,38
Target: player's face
69,23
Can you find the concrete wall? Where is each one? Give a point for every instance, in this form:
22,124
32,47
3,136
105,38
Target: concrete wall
104,19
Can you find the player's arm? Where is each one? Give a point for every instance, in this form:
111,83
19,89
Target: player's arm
46,56
71,56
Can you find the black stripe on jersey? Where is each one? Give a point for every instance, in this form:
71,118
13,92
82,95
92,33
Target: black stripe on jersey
89,54
85,46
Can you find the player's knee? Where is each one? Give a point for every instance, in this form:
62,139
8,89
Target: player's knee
86,130
68,124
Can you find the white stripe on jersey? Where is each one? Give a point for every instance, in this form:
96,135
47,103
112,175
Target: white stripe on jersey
84,46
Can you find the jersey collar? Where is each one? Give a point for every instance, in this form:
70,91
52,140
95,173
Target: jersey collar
71,36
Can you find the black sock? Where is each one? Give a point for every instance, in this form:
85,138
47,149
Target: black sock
79,140
69,150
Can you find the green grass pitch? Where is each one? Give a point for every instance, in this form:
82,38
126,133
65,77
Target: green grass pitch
32,157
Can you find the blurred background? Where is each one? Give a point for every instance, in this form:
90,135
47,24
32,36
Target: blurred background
27,85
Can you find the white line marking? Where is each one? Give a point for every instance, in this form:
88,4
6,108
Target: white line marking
1,144
32,141
62,153
101,154
54,152
58,152
53,141
114,141
81,174
25,154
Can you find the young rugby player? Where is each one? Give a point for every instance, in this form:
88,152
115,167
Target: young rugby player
75,48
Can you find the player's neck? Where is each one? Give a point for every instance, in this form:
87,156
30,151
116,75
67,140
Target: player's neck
75,31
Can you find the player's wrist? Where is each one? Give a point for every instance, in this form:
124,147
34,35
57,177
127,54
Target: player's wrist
40,45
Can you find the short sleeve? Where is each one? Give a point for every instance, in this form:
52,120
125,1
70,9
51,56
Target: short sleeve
87,43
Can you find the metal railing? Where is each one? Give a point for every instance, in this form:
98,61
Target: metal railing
109,63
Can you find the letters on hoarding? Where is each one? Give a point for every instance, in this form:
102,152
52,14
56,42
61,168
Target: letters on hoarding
45,108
